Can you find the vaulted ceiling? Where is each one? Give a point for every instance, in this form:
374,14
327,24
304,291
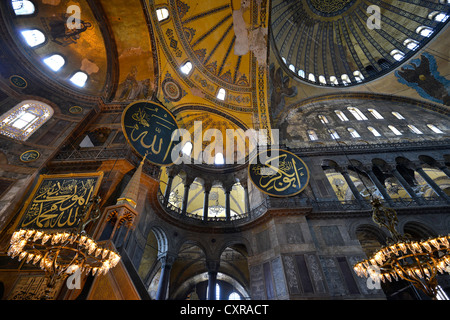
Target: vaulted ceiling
244,57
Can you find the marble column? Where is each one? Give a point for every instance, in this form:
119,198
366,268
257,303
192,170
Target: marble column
213,268
227,204
351,185
433,185
206,202
187,186
379,185
406,185
167,261
168,190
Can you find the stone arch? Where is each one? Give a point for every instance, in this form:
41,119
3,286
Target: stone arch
370,237
418,230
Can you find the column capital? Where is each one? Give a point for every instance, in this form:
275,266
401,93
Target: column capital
207,186
212,265
167,259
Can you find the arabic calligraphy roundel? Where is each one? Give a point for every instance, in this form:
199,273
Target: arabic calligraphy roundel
148,128
279,173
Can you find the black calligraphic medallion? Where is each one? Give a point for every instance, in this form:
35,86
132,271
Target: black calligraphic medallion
279,173
18,81
29,156
148,128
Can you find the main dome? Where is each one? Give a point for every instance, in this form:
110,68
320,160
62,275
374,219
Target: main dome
348,42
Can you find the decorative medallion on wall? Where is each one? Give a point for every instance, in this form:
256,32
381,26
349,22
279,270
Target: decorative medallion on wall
18,82
279,173
29,156
57,200
148,128
172,90
76,110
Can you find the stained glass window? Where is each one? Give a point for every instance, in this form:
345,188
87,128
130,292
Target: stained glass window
24,119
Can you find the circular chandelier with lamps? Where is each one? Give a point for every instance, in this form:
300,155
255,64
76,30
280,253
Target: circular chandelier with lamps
64,253
417,262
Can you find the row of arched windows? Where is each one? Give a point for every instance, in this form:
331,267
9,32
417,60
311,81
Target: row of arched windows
360,116
35,38
354,134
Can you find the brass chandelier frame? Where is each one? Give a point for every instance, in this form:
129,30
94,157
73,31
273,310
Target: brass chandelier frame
417,262
61,254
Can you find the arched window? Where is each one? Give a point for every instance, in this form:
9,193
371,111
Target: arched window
438,16
221,94
24,119
218,159
334,81
374,131
345,79
424,31
301,73
414,129
312,135
341,115
292,68
397,54
394,130
353,133
323,119
434,128
358,76
375,113
55,62
334,135
162,14
33,37
312,77
322,80
186,68
411,44
357,113
79,79
398,115
23,7
234,296
187,148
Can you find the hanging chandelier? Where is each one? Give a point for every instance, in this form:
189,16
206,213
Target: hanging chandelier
417,262
61,254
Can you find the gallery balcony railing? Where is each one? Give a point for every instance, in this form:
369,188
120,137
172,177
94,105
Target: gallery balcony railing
314,207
